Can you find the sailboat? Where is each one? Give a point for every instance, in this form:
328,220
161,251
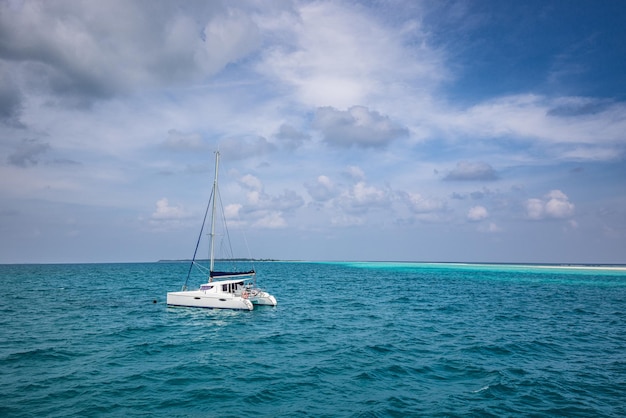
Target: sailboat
224,289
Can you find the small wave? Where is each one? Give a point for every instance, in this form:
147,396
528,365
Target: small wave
40,354
481,389
384,348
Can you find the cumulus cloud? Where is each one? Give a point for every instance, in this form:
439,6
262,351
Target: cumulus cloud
288,201
251,183
261,209
366,195
321,190
478,171
231,211
270,220
477,213
420,204
554,205
351,203
362,197
354,173
165,212
357,126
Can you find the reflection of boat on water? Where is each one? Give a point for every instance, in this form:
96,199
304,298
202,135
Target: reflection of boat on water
224,289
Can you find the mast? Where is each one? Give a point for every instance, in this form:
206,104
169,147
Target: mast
217,160
213,273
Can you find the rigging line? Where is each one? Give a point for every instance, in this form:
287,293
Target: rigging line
202,268
206,212
245,240
230,247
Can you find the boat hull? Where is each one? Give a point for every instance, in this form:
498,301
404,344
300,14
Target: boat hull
263,298
200,299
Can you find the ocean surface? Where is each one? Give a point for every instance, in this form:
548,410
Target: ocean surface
346,340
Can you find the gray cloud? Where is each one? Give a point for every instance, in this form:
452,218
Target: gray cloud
291,137
241,148
28,152
85,51
182,142
321,190
357,126
10,99
468,171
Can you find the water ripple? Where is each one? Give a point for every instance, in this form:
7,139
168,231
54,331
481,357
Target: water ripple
345,340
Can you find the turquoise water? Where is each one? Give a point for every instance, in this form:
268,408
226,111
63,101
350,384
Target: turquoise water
346,339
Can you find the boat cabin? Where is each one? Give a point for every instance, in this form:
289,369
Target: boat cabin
224,286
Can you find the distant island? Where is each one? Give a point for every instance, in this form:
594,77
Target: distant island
206,260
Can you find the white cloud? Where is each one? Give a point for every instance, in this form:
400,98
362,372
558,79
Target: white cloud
251,183
270,220
592,134
589,152
535,208
493,227
231,211
558,205
554,205
165,212
355,173
337,54
477,213
362,197
364,194
420,204
263,210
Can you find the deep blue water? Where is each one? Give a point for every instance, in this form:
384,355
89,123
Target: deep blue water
346,339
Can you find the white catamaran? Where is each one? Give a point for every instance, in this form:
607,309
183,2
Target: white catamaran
224,289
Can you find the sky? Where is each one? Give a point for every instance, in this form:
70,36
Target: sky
396,130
